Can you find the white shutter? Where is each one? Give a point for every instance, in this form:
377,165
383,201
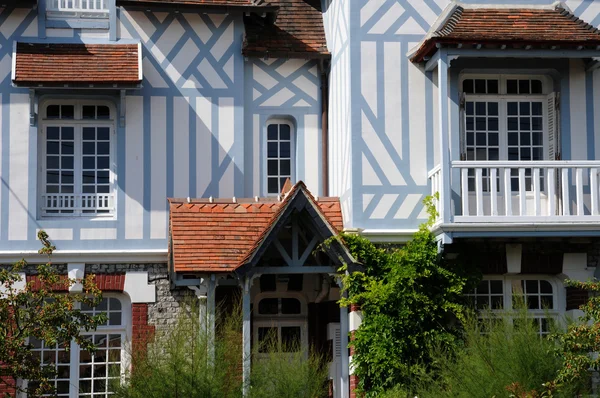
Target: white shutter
552,123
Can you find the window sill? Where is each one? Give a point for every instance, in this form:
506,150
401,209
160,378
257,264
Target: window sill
91,218
78,23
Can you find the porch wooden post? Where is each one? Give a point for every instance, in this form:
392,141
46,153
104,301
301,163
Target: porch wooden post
210,317
445,195
247,353
345,359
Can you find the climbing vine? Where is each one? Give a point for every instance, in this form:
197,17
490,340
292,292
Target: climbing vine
410,298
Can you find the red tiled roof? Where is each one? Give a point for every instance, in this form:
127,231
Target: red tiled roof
542,27
298,32
221,236
76,64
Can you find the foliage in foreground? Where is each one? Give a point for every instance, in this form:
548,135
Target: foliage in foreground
42,311
178,363
580,340
501,357
410,299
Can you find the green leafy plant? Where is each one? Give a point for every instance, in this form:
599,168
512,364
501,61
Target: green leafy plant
411,299
579,346
40,309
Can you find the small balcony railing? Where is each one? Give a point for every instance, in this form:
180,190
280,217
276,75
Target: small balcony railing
520,191
78,8
69,205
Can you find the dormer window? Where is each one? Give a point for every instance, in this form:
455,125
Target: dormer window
77,9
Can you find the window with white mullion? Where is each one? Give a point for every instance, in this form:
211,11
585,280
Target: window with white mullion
76,169
482,127
279,156
525,137
58,357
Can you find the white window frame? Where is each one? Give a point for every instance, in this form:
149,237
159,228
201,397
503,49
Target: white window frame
124,330
265,158
78,123
77,9
281,320
558,296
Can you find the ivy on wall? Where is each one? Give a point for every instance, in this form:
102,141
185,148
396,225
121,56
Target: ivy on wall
412,302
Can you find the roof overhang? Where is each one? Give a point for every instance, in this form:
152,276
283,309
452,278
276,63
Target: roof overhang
521,36
174,6
55,65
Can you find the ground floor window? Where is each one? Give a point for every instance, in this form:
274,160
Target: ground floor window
280,323
540,295
81,373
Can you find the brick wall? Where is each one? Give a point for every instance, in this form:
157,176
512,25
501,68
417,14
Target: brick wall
575,298
7,387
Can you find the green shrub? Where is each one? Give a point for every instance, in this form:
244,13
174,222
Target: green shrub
502,356
178,364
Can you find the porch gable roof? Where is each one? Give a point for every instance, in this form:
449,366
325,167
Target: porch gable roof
546,27
223,235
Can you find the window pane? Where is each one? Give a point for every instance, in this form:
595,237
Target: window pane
272,167
285,167
284,132
268,306
470,108
536,108
291,338
267,338
67,111
67,162
89,112
531,287
103,162
89,148
272,132
103,148
524,87
102,112
284,148
53,112
290,306
52,162
67,133
103,133
511,86
492,86
272,150
67,148
479,86
512,108
89,133
272,185
468,86
545,287
536,87
524,108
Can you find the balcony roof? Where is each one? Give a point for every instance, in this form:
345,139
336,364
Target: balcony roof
499,27
76,65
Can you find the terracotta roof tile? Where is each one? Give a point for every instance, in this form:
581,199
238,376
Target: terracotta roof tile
222,236
542,27
74,64
298,32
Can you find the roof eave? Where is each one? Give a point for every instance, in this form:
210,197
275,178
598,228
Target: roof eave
187,7
287,54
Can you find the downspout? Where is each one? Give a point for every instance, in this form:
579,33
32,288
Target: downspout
324,69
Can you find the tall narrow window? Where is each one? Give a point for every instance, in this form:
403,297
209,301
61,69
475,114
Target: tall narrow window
76,173
279,155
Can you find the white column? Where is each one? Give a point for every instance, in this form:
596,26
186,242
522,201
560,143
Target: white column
247,353
210,317
344,331
445,195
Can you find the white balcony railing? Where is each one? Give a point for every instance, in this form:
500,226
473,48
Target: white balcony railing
77,205
521,191
77,6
